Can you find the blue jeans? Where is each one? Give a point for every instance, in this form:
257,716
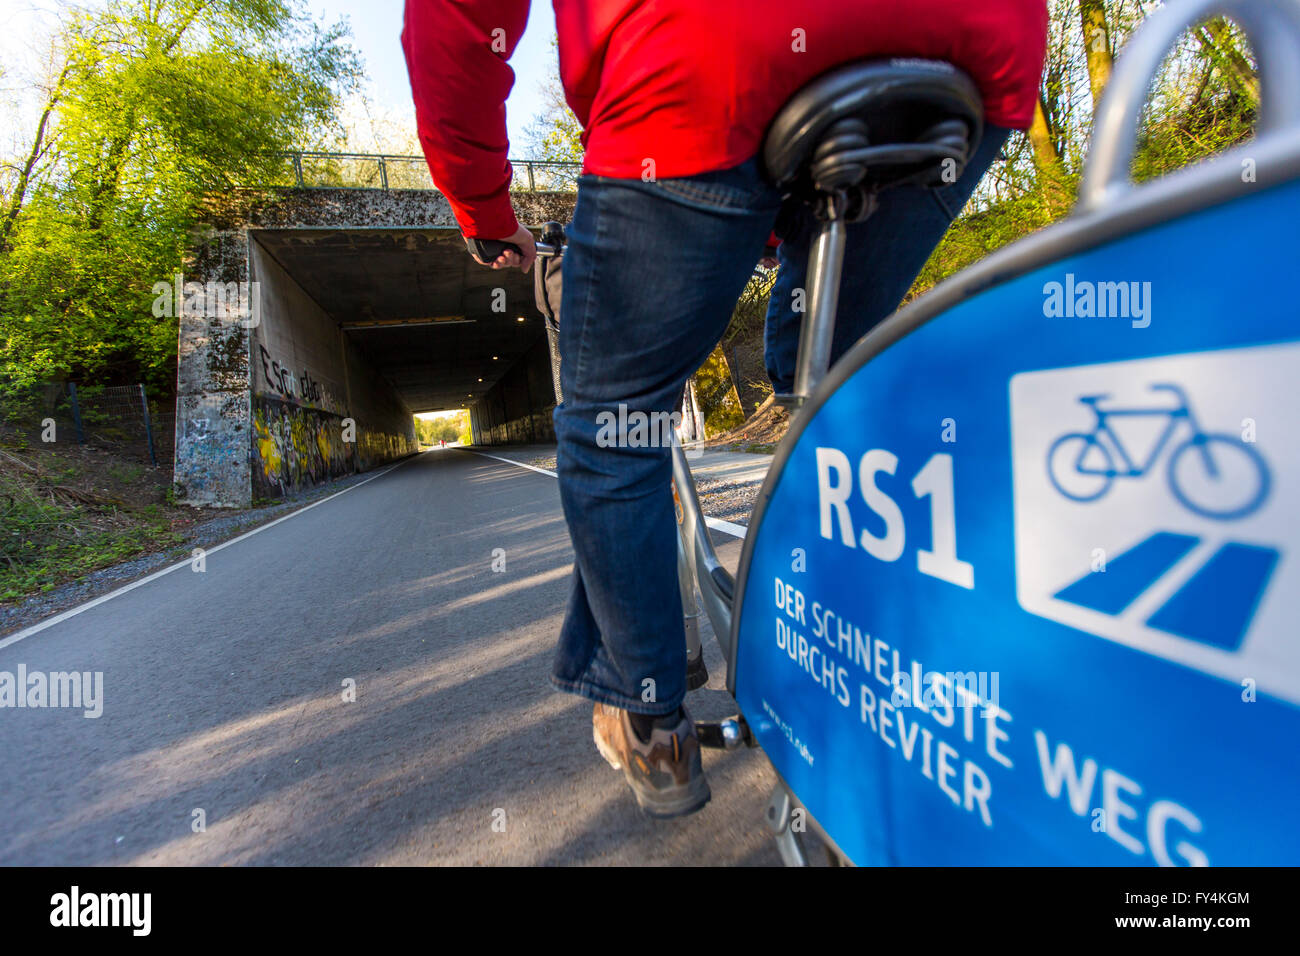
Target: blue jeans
652,272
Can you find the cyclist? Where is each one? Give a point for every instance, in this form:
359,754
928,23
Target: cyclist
672,213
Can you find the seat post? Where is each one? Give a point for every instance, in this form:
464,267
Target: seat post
836,145
835,175
817,330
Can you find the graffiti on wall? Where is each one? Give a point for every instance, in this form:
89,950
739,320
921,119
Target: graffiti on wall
211,434
295,387
296,447
529,429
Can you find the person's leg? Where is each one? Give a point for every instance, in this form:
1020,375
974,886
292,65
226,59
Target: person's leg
882,258
652,272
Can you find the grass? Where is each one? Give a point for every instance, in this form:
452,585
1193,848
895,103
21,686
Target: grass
125,474
67,510
49,537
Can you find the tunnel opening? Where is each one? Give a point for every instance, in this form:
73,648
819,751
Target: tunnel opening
367,310
442,429
359,329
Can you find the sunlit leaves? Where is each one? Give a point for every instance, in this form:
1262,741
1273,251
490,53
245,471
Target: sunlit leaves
163,105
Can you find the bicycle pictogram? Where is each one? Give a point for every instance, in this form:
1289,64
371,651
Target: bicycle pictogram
1212,475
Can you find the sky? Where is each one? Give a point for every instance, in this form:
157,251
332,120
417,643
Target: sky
376,29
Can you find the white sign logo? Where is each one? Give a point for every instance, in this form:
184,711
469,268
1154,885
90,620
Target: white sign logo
1155,507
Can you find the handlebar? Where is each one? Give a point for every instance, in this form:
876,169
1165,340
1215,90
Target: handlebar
488,249
552,241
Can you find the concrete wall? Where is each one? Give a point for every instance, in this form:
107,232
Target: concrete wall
517,409
318,409
213,411
265,395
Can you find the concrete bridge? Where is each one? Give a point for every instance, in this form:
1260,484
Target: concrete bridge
314,322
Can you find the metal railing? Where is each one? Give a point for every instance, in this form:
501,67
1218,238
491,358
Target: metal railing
317,170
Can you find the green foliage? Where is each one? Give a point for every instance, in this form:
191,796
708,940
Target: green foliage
975,235
1204,101
155,109
450,429
555,133
48,538
716,393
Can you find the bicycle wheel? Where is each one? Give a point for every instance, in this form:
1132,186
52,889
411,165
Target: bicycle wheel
1066,459
1224,479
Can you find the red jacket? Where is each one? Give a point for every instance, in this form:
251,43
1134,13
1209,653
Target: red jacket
689,84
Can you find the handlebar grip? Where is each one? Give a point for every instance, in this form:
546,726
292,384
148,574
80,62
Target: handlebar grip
489,249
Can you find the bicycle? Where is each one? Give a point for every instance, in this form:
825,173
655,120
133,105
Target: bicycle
897,770
1090,457
903,798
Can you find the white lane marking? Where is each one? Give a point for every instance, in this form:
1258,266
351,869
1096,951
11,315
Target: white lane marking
717,524
511,461
73,612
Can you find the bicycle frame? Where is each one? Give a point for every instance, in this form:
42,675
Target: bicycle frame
1131,470
695,550
1109,206
1181,412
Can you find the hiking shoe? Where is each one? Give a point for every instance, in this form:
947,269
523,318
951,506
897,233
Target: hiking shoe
665,772
697,673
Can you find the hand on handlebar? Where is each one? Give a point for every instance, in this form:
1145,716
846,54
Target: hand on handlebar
520,250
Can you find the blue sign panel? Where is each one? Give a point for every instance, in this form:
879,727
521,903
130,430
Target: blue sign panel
1027,591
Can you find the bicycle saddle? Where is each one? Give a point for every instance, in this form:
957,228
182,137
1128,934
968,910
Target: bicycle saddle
878,122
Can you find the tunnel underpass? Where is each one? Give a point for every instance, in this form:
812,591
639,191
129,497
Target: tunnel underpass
357,309
437,326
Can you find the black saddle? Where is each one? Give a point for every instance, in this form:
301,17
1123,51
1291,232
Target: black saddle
874,124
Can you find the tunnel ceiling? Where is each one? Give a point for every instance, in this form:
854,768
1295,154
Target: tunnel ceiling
416,304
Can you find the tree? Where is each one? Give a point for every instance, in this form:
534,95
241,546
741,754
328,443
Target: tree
1203,100
40,148
555,133
1096,43
448,428
1221,48
1047,157
151,109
